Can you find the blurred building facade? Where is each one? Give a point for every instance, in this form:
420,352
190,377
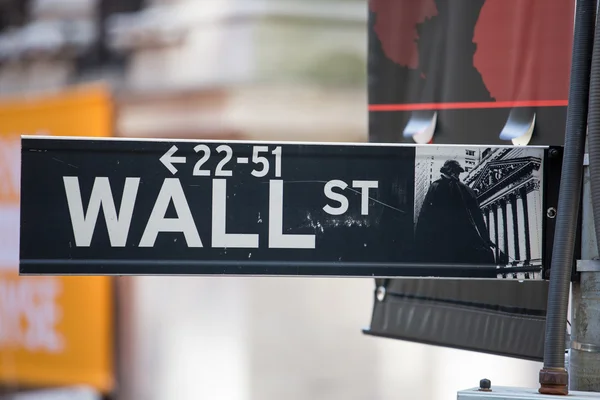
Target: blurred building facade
235,69
199,68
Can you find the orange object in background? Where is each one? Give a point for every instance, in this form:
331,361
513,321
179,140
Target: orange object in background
54,331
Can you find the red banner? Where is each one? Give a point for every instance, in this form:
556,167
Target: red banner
472,62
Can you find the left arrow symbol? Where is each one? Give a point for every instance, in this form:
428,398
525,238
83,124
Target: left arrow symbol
168,160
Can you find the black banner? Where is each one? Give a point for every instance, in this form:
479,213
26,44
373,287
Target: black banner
502,317
118,206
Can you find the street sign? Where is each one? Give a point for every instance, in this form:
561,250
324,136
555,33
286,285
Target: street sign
182,207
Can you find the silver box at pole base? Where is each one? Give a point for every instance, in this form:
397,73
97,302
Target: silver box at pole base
514,393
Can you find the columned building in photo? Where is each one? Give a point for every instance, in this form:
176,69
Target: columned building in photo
507,183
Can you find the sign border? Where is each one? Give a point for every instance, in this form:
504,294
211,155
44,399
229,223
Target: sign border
56,267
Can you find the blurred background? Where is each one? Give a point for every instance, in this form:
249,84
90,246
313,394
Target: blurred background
218,69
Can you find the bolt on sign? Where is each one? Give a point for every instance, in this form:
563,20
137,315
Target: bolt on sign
167,207
53,330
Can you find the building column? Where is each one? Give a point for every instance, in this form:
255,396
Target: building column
486,215
535,209
504,227
515,225
490,221
510,234
525,208
496,241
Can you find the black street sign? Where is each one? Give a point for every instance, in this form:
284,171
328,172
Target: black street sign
181,207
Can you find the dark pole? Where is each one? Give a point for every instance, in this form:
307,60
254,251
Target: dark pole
554,378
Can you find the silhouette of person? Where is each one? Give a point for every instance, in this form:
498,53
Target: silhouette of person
445,72
450,227
446,51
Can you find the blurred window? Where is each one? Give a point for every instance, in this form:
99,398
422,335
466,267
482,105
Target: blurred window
100,55
13,13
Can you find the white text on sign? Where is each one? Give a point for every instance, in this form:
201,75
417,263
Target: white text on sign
364,187
118,221
226,157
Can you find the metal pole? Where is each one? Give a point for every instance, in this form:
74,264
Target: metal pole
584,359
553,376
